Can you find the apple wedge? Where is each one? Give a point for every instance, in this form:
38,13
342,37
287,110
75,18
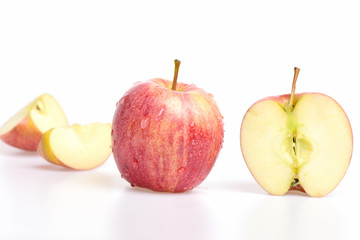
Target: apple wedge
77,147
299,142
25,128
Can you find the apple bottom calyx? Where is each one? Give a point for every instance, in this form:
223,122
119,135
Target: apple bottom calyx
295,185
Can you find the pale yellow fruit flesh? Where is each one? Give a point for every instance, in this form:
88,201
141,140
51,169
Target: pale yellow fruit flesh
15,120
313,144
81,147
263,134
45,112
323,122
45,150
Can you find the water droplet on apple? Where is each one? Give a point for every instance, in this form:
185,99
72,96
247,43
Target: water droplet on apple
144,123
193,142
159,114
125,175
122,100
181,170
132,184
136,164
192,124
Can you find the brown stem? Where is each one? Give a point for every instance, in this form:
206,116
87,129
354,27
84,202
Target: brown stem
177,66
292,96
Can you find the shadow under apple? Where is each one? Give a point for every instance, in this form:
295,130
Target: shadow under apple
13,151
235,186
144,214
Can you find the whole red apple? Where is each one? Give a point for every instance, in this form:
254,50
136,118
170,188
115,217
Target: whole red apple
166,135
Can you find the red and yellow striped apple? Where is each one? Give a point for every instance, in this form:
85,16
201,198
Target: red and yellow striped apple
297,142
166,135
25,129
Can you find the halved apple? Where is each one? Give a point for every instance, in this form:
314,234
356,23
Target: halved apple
25,128
78,147
300,142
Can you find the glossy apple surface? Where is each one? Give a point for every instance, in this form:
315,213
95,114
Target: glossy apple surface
79,147
166,140
305,145
25,129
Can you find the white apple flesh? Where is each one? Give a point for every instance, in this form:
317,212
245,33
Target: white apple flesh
300,142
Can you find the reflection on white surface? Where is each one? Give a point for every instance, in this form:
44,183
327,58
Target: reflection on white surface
43,201
142,214
82,205
291,217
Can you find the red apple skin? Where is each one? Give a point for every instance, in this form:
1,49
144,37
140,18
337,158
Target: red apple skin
283,100
166,140
25,135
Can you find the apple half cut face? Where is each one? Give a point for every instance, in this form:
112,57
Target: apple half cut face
308,148
25,129
77,147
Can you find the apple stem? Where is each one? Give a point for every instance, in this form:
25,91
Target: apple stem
292,96
176,72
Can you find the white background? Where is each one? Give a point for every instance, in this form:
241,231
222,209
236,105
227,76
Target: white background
88,53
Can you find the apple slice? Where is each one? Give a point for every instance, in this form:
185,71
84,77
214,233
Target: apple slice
25,128
78,147
299,142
